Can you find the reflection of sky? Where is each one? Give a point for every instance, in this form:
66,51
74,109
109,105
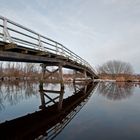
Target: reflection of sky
21,98
104,119
18,99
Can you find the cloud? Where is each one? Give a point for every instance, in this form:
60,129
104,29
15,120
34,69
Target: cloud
96,30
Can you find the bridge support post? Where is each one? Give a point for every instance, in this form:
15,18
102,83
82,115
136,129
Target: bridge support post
42,97
60,103
58,100
43,66
43,92
43,71
74,77
85,74
50,73
61,77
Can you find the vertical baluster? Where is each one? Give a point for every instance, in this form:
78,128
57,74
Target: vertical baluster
39,43
57,50
5,32
62,51
69,55
4,29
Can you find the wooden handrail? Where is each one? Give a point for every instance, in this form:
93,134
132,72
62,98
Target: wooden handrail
14,33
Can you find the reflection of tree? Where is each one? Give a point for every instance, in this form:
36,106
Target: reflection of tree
116,91
14,92
31,88
1,102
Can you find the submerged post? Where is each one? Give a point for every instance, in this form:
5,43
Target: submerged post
61,87
61,76
41,87
42,100
43,66
74,76
43,71
60,103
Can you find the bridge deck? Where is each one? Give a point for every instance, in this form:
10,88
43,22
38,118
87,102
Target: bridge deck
12,52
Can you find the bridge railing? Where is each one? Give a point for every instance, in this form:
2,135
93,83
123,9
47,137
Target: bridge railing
12,32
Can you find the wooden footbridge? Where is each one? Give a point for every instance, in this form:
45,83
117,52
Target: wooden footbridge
20,44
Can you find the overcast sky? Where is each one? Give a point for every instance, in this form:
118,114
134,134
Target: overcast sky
97,30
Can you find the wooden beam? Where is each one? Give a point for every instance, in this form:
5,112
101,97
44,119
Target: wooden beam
10,46
52,91
40,53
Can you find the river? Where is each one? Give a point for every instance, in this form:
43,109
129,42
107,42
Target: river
95,111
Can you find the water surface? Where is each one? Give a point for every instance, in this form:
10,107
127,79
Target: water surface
104,111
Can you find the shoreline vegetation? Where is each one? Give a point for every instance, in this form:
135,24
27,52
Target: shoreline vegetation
11,71
71,77
110,71
120,77
117,71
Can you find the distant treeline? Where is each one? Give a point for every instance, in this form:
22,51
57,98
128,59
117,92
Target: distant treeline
17,70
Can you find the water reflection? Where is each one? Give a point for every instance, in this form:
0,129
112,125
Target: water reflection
54,100
50,120
116,90
14,91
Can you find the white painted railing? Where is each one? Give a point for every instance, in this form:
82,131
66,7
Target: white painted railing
12,32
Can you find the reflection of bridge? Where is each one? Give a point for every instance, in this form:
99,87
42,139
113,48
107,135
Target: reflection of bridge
49,121
20,44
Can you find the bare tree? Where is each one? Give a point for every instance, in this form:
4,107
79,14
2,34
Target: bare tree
115,68
12,70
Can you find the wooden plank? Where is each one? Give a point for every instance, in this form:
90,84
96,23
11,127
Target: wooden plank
52,91
10,46
42,53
